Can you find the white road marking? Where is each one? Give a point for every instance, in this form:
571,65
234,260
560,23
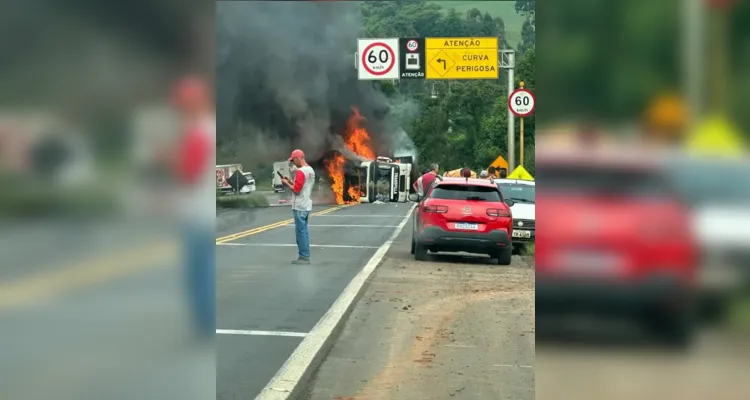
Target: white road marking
348,226
294,369
259,333
361,216
325,246
513,366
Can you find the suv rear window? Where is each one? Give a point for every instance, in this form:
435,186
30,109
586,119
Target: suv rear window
711,182
465,192
599,180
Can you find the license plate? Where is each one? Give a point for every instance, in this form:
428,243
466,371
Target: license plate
521,234
466,226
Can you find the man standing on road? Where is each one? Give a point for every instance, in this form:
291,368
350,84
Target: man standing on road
424,184
193,165
304,181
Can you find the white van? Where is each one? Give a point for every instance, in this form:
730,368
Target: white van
523,194
283,167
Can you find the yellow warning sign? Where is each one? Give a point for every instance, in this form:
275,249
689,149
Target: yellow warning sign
715,136
521,173
667,113
499,163
461,58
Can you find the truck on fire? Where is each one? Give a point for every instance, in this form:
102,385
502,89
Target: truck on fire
385,179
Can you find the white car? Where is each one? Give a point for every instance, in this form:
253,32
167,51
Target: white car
523,194
719,198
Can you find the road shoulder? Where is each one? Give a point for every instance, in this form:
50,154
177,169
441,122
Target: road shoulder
450,328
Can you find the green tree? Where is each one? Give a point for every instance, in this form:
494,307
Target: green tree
527,8
465,123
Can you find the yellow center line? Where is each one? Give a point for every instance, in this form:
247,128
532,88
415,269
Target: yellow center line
260,229
59,280
47,284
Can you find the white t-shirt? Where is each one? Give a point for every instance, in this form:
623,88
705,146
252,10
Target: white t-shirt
197,199
304,180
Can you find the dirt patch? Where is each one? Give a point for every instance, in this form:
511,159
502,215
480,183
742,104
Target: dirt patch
442,329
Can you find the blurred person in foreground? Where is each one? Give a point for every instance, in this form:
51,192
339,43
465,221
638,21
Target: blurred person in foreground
192,164
304,180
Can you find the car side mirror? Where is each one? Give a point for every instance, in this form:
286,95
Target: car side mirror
509,202
414,197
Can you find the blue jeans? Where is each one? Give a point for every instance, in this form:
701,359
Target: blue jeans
300,231
199,248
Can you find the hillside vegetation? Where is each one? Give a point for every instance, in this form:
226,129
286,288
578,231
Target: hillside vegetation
505,10
460,123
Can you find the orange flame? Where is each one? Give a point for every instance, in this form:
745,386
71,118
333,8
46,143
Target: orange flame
357,140
335,169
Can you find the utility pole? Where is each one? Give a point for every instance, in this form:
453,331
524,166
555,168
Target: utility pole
508,61
693,64
720,55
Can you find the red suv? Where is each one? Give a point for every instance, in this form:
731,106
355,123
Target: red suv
614,240
462,214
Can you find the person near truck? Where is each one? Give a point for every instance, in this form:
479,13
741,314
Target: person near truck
302,187
424,184
486,175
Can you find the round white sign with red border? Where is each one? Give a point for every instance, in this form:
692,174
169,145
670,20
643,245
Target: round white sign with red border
521,103
377,59
412,45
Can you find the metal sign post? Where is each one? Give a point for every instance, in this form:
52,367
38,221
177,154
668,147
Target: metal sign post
508,61
521,103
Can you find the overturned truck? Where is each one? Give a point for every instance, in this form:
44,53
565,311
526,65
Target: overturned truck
384,179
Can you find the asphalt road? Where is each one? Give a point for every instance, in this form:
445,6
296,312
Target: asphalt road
454,327
265,305
95,310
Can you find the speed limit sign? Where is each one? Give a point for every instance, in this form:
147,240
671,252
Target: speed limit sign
377,59
521,103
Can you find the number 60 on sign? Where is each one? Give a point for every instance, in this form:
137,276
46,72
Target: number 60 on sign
377,59
521,103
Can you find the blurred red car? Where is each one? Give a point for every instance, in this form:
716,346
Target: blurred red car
463,214
613,239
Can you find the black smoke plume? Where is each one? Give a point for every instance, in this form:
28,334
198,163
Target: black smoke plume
286,79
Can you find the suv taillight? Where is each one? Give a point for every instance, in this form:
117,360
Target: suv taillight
667,227
497,212
436,209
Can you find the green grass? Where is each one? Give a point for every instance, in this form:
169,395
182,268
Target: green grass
242,201
739,316
506,10
30,201
529,250
263,185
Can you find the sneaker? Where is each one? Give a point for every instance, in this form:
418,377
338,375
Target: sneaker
301,261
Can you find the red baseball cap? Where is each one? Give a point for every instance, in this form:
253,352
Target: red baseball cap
297,153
